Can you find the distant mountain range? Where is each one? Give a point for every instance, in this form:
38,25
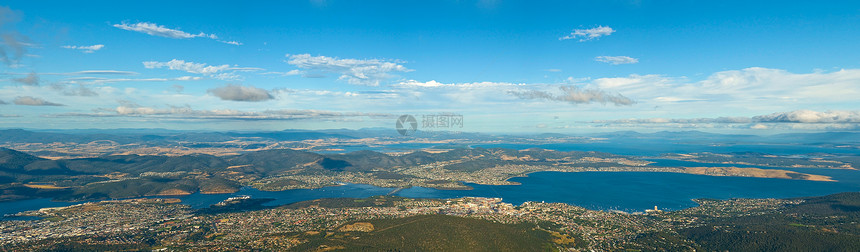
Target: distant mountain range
154,135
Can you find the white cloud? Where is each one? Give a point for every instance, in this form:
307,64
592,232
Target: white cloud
616,60
589,34
753,87
247,69
161,31
99,80
85,49
368,72
191,67
759,126
89,72
677,120
414,83
776,84
809,116
32,78
217,72
104,72
831,118
575,95
231,42
572,80
459,96
189,78
287,73
436,84
505,96
674,99
130,109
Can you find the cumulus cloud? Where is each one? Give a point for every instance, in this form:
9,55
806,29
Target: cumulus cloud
616,60
85,49
222,72
32,79
368,72
33,101
575,95
589,34
241,93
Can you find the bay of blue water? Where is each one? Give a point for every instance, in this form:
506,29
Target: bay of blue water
636,191
14,207
199,200
626,191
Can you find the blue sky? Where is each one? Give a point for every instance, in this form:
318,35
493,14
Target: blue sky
506,66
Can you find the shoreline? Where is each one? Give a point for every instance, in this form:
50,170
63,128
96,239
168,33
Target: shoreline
702,171
172,200
465,187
